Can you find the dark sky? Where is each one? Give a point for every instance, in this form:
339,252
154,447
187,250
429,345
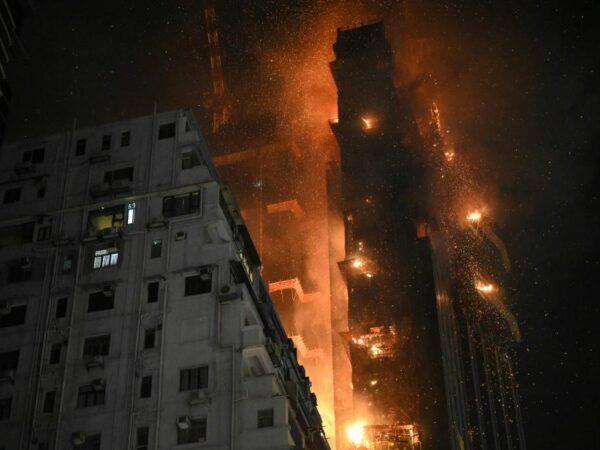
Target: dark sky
519,83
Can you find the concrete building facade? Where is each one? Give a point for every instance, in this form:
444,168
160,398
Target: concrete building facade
132,310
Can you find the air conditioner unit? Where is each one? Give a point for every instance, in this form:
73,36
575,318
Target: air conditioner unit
228,292
183,423
78,439
120,184
25,263
25,168
7,375
98,384
198,397
180,236
108,291
93,361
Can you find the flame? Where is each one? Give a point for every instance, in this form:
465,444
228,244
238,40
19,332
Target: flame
374,382
356,433
449,154
375,350
485,287
357,263
474,216
367,123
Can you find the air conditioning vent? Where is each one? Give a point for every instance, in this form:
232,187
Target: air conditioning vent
180,236
78,439
99,384
108,291
198,397
93,361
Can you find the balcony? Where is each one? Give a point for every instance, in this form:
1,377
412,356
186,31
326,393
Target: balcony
252,336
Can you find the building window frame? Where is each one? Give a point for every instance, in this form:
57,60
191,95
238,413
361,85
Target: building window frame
193,378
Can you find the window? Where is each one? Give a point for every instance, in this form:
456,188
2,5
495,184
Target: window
16,234
19,271
194,432
96,346
15,317
106,142
153,291
41,192
12,195
119,174
142,439
61,307
44,233
156,248
146,387
91,395
130,213
265,418
125,138
191,379
49,398
177,205
55,350
101,219
106,257
9,360
80,147
166,131
102,300
34,156
149,338
68,263
189,159
199,284
5,404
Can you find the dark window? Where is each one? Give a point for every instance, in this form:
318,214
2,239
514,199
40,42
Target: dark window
191,379
9,360
143,434
177,205
189,159
92,442
55,353
265,418
80,147
15,317
199,284
12,195
194,432
119,174
146,387
19,271
34,156
41,192
61,307
150,338
99,301
106,142
96,346
156,248
187,127
68,263
49,402
125,137
166,131
16,234
44,233
5,404
91,395
153,291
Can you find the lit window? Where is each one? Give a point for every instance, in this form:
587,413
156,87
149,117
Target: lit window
106,257
130,213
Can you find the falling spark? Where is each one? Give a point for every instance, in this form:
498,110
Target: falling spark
369,274
374,382
367,123
356,433
449,154
357,263
375,350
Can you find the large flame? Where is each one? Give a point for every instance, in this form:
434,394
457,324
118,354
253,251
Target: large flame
356,433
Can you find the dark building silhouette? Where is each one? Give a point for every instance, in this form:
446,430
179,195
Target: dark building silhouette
10,18
392,313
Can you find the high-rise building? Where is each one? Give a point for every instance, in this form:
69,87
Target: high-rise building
10,16
392,313
132,309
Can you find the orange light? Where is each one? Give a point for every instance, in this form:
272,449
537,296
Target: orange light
368,123
357,263
369,274
375,350
449,154
474,216
356,433
485,287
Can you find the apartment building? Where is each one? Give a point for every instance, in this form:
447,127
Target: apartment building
133,314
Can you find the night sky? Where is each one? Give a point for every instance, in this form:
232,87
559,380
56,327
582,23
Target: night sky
518,85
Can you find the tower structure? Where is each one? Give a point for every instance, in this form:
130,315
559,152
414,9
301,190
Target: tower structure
132,309
392,312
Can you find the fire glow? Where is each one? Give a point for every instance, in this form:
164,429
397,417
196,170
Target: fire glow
356,433
474,216
485,287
